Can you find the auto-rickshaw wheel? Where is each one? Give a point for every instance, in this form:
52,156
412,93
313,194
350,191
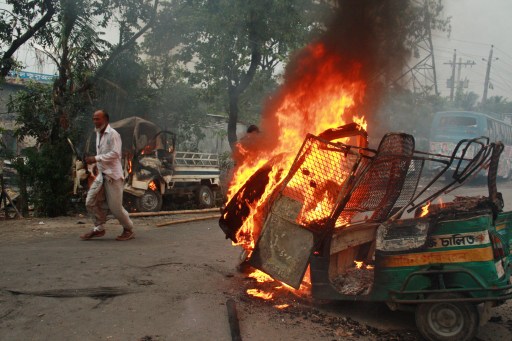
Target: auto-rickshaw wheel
447,321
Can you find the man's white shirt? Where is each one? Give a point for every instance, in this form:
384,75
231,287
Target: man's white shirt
108,153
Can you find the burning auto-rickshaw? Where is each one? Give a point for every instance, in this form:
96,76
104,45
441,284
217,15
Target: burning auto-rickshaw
153,168
366,224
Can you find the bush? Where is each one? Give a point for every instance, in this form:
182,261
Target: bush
48,173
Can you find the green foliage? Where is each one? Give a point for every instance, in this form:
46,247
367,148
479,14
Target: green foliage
47,171
418,17
496,105
465,100
225,162
36,116
230,49
16,19
216,38
177,107
73,40
35,112
20,21
123,89
46,168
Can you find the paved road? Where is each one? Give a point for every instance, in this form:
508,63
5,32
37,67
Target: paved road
169,283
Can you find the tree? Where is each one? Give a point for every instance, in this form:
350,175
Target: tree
223,44
83,58
46,169
465,100
24,20
174,103
496,105
81,55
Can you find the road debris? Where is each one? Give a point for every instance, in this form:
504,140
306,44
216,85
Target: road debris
234,326
161,213
181,221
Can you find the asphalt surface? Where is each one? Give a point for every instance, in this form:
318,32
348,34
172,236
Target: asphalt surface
169,283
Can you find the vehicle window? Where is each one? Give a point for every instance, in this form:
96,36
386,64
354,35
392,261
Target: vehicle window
458,121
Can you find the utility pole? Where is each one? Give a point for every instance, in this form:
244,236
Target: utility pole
453,75
460,64
487,74
452,84
451,81
458,71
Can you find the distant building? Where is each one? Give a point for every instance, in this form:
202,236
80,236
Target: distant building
22,77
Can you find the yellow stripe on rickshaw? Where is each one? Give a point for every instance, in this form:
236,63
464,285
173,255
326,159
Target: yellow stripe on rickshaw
500,227
450,256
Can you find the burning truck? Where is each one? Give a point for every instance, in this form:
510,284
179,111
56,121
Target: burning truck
365,224
154,169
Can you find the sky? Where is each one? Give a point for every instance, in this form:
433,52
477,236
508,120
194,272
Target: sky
476,25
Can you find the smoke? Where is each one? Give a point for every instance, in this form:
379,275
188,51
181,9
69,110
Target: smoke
374,34
365,42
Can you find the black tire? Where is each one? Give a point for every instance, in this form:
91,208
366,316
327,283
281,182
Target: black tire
447,321
150,201
205,197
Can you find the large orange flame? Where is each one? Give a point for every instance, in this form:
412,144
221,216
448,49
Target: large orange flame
316,96
269,288
313,101
260,294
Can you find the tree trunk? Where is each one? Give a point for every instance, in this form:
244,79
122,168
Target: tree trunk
246,79
68,19
233,116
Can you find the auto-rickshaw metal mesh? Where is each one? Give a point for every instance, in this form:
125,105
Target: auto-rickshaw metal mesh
317,178
408,190
382,185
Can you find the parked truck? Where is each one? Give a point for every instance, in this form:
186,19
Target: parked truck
154,169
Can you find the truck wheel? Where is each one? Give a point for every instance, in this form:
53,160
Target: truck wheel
447,321
150,201
205,198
